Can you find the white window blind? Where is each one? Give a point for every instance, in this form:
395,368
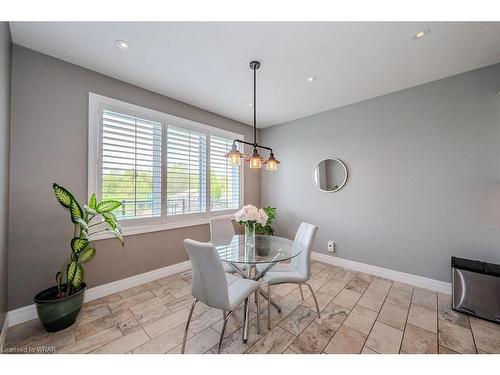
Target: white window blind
186,171
224,177
165,170
131,164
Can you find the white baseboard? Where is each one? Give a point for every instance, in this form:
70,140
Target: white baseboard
418,281
120,285
27,313
3,334
21,315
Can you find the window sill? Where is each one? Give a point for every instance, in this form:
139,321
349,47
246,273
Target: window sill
131,231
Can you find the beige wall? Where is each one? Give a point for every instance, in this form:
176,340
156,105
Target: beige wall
5,70
49,143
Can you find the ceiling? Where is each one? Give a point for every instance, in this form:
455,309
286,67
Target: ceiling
206,64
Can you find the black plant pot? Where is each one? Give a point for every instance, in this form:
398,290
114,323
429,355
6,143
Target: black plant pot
55,313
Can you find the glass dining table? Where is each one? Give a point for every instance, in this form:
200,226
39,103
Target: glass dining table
267,251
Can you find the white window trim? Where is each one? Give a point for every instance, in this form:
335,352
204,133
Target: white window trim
137,226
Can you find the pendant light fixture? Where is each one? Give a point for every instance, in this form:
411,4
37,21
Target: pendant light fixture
255,161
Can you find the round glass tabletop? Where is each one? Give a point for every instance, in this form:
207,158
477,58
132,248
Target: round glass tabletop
267,249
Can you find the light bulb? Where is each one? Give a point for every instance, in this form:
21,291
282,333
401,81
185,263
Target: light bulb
235,158
271,165
255,161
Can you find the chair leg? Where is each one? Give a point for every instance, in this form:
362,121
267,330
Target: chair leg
301,294
315,300
226,318
256,296
246,319
268,307
187,326
258,310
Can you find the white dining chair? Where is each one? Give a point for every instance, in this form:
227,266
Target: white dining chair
222,230
216,288
298,271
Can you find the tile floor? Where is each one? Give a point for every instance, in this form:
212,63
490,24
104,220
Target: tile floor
360,314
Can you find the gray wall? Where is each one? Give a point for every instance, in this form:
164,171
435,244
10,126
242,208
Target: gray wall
424,179
49,143
5,70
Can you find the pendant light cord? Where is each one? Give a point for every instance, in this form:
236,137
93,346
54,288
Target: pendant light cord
254,108
234,152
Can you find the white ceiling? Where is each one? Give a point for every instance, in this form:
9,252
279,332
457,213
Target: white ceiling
206,64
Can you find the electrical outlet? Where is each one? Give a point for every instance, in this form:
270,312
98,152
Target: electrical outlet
331,246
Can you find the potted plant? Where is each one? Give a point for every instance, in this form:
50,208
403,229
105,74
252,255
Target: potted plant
59,306
267,228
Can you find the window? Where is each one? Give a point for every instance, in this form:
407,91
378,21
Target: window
186,171
224,178
131,164
165,170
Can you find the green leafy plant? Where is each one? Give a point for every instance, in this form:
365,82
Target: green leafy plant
94,218
267,229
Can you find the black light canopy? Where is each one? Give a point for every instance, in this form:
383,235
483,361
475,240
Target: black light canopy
255,161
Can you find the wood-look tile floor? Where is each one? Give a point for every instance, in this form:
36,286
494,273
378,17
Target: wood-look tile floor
359,314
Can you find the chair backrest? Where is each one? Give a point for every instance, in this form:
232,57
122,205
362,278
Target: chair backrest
304,237
209,283
221,229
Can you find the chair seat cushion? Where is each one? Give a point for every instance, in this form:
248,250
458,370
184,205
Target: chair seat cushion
239,289
229,269
281,277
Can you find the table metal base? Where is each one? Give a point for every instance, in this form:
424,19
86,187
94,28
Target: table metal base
273,302
256,277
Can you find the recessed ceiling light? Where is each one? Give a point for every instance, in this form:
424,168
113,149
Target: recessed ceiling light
123,44
250,104
311,79
421,34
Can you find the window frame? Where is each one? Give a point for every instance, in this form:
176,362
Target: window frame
99,103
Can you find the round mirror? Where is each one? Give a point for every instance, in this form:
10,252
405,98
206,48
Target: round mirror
330,175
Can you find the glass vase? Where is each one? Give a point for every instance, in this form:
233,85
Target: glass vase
250,234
